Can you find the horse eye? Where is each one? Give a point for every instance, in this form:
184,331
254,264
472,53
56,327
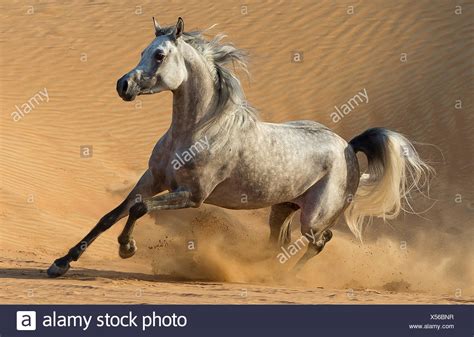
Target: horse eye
159,56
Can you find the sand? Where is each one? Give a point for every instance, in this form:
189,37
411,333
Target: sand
413,59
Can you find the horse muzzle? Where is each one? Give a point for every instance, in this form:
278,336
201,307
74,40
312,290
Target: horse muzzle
127,88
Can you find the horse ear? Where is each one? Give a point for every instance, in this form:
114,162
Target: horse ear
157,25
179,27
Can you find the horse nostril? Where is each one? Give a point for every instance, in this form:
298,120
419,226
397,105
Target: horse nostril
124,86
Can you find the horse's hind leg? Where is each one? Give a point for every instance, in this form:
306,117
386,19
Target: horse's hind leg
314,247
145,188
280,221
321,206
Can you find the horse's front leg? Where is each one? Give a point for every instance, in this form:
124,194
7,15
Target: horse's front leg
172,200
145,188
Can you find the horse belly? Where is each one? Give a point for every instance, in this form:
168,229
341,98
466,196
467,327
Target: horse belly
259,191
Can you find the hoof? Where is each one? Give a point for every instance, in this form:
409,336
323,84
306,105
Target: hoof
327,235
57,269
128,250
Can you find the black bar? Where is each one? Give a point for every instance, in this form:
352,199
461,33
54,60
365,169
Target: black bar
245,320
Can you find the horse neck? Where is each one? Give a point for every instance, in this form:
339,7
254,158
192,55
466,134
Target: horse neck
196,96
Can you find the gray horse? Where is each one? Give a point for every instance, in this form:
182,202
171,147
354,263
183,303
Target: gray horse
218,152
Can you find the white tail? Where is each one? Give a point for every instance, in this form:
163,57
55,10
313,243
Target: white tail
394,169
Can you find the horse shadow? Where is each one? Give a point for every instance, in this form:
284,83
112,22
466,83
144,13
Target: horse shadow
85,274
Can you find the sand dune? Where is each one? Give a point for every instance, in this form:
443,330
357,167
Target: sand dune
414,60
